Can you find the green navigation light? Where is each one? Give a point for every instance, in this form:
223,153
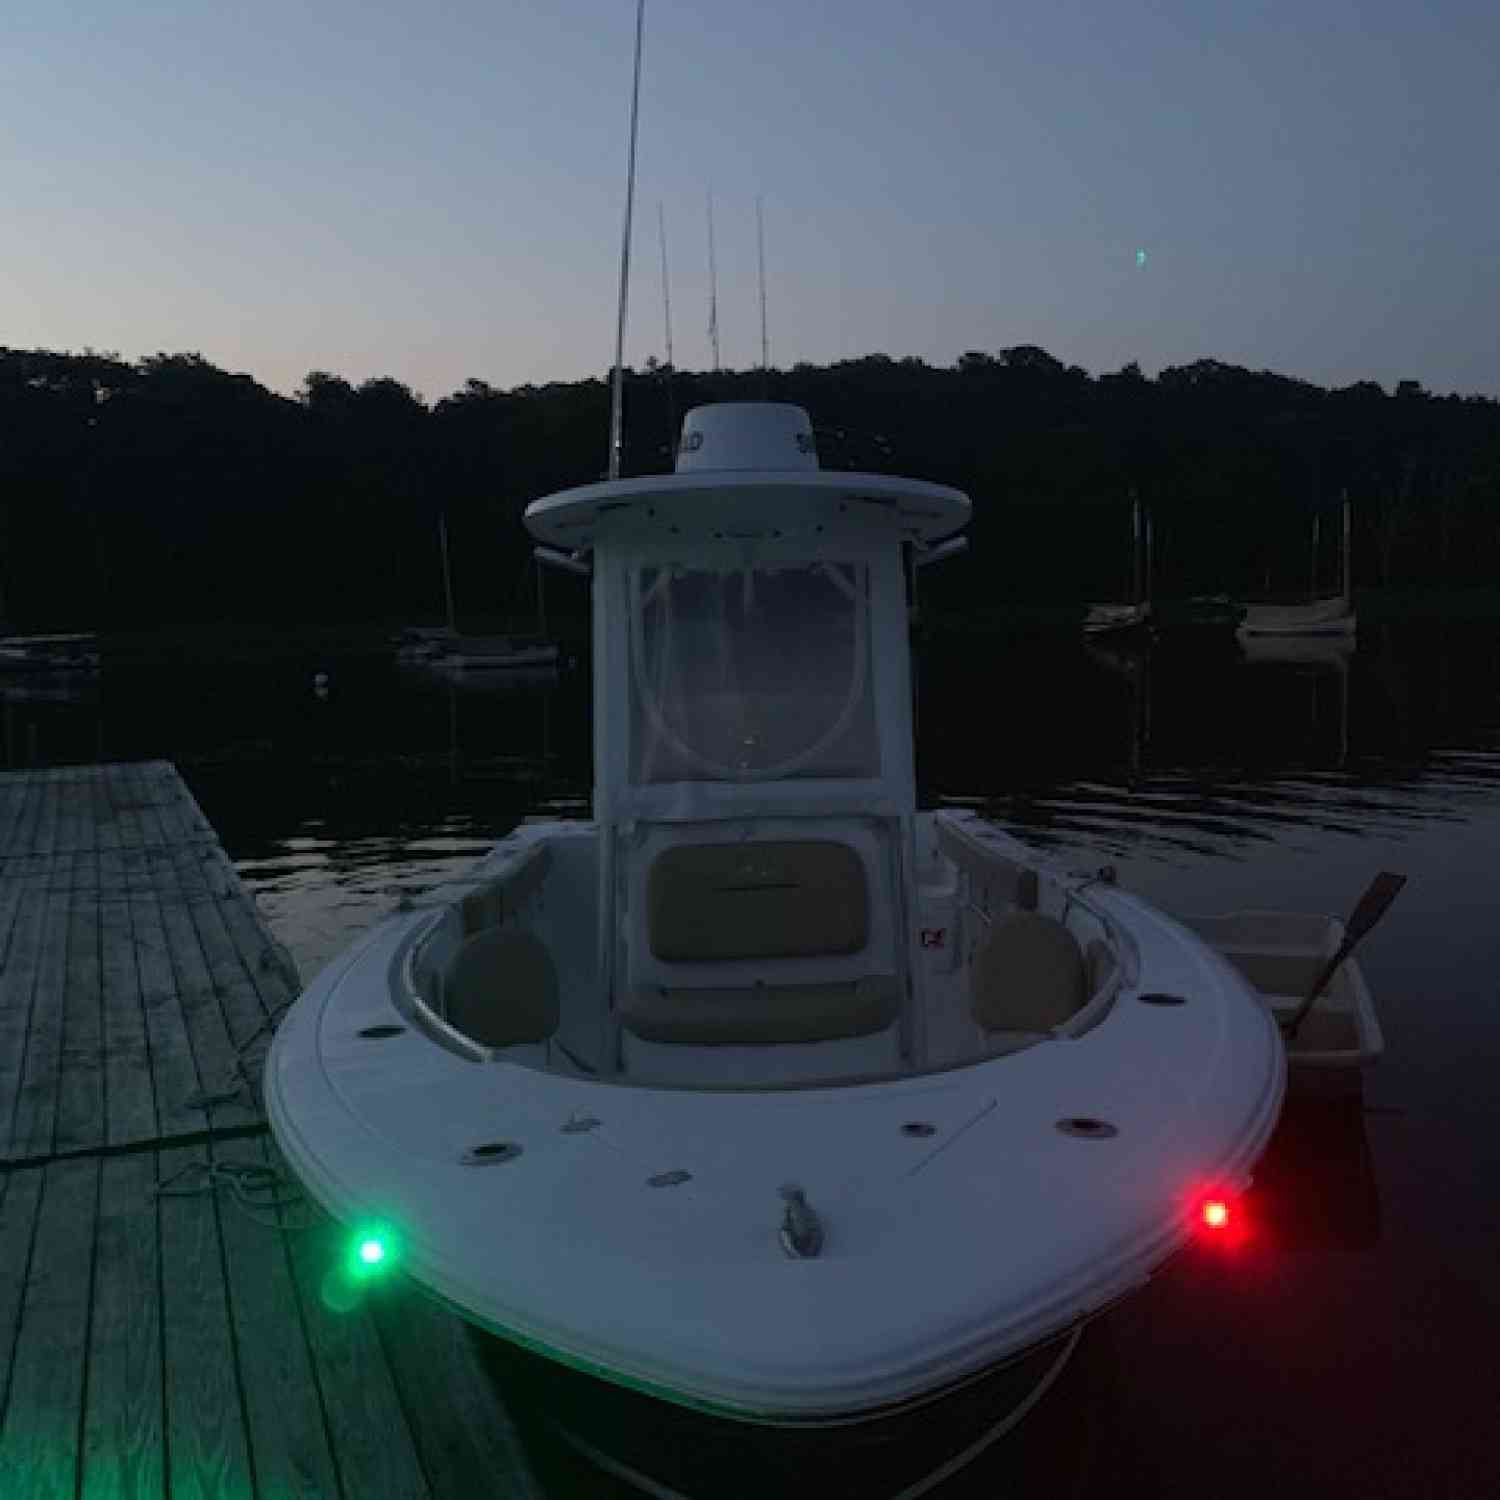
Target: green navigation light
1140,258
372,1251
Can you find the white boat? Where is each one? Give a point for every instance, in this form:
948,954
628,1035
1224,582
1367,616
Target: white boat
1282,954
1332,615
1318,617
77,652
451,652
1114,619
448,651
761,1104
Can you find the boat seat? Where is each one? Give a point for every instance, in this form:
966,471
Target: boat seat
1029,975
790,898
760,1014
502,897
501,989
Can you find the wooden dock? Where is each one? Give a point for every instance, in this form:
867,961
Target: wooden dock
171,1345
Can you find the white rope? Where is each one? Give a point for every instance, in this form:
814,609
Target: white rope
263,1193
998,1431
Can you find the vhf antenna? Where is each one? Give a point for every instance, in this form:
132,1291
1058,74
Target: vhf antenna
713,289
617,396
765,343
666,308
666,290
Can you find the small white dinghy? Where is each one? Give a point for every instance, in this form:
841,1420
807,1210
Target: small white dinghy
1282,953
763,1108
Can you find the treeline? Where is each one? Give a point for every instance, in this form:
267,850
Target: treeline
168,491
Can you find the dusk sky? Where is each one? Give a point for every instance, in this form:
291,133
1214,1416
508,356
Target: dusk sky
434,191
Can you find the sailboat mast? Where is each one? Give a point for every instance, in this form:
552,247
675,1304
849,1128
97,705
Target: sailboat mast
713,289
1135,548
447,576
666,288
1146,563
666,307
617,399
1344,560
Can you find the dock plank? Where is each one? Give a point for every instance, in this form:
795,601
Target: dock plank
175,1078
207,1446
214,1054
124,806
208,893
129,1085
80,1117
283,1402
39,1432
34,1110
132,786
49,823
22,836
367,1421
15,798
18,996
70,827
123,1439
106,824
20,1198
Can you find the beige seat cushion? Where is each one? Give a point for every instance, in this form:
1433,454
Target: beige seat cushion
760,1014
1029,975
502,989
802,898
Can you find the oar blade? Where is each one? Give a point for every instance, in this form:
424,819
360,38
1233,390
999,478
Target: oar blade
1384,889
1371,907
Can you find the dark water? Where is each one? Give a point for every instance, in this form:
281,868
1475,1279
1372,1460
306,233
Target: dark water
1348,1346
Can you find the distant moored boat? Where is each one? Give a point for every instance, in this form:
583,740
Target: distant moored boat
1331,615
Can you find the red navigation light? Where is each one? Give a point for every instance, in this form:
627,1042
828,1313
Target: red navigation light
1215,1213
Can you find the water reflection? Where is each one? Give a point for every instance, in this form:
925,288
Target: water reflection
1204,746
1315,1188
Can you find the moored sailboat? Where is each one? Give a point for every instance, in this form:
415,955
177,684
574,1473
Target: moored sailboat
1327,615
1133,615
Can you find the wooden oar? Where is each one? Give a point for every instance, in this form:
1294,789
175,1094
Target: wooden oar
1372,907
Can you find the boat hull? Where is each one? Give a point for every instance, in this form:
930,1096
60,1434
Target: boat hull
974,1209
1115,619
1321,617
669,1449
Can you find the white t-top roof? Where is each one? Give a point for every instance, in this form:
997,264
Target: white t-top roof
747,469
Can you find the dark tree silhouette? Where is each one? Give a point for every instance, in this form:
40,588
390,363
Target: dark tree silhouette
168,492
